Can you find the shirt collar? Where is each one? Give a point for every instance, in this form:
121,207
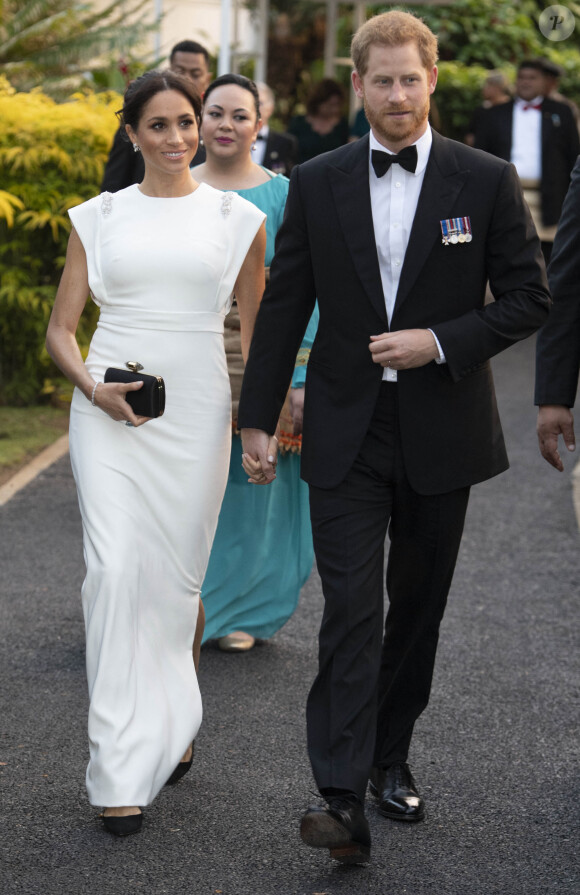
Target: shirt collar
536,101
423,145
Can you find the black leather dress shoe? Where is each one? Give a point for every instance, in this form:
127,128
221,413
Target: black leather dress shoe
123,826
340,826
396,791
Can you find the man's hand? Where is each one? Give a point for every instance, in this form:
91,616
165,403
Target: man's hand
404,349
555,420
259,456
297,409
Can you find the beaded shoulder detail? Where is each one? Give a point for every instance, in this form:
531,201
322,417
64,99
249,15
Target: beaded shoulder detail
107,203
227,200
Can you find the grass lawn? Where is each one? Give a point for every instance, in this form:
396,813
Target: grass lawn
24,432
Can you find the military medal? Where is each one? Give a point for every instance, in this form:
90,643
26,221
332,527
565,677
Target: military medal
456,231
467,229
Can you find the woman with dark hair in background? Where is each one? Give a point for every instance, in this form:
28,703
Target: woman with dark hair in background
324,127
161,259
262,552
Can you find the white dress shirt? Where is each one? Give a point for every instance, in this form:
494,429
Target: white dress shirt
394,198
526,152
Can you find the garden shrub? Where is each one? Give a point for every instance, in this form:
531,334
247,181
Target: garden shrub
51,158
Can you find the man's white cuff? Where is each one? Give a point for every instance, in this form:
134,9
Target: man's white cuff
441,358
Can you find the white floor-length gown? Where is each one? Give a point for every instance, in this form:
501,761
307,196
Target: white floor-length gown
162,272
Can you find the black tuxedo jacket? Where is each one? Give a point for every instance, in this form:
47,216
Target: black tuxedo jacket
326,250
558,345
280,153
560,148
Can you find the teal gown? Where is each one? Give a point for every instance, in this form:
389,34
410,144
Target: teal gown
262,553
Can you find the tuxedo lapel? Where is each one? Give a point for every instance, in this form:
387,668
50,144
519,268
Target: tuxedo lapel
442,184
349,182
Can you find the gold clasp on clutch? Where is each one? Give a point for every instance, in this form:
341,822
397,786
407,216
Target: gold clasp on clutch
133,365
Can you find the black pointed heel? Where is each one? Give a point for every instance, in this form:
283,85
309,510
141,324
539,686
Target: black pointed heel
123,826
181,770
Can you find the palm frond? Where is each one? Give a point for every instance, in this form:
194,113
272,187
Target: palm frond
46,41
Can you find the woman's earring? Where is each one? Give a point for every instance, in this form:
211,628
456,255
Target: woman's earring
253,147
201,141
136,148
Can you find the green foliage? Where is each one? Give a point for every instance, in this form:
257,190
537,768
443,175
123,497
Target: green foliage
51,158
458,94
52,43
24,431
494,33
485,32
568,57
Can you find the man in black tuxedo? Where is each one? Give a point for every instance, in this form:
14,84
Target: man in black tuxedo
539,136
125,166
558,344
273,150
396,236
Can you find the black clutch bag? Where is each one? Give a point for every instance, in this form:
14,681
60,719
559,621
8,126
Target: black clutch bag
149,400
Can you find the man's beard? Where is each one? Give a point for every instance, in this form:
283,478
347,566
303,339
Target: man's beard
396,132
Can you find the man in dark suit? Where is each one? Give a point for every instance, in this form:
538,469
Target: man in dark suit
273,150
125,166
558,344
539,136
396,236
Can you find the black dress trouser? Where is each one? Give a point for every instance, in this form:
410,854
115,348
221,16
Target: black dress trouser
370,689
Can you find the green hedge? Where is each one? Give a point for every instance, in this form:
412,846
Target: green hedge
51,158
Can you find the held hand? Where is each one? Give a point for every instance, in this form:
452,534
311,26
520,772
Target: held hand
297,409
555,420
110,397
259,456
404,349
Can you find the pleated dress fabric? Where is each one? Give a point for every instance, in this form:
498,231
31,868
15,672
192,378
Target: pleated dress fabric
262,552
162,271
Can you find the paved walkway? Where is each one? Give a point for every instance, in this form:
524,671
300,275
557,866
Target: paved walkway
496,754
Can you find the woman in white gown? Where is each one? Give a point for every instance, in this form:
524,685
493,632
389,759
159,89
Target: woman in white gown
162,260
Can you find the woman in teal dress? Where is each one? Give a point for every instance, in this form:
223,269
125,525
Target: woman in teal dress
262,552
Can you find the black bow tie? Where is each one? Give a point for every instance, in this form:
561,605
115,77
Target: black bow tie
382,161
260,137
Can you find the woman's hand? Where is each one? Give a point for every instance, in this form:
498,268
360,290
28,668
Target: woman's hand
254,442
110,397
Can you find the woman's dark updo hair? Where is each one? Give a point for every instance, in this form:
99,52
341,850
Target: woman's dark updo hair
239,81
142,89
